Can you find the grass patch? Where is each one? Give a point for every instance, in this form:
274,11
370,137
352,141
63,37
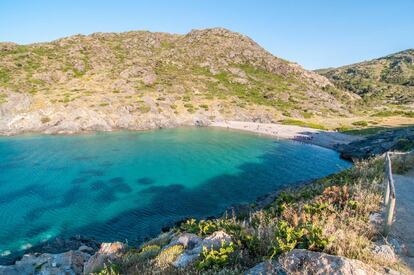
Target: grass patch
303,124
168,256
143,108
390,113
204,106
3,98
361,123
4,76
401,164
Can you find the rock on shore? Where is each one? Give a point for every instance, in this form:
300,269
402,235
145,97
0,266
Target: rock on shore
390,140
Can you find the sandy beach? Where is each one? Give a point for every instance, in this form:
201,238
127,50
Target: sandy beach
328,139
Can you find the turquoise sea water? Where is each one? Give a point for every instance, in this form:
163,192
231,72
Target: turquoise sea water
128,185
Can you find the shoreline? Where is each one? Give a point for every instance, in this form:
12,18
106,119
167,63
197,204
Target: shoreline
323,138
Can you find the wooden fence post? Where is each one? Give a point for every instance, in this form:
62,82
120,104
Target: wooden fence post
390,216
390,197
386,181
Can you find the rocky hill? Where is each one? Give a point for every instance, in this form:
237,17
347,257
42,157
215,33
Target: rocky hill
386,80
141,80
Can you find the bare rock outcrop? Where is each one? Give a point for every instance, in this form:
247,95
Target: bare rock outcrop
305,262
107,252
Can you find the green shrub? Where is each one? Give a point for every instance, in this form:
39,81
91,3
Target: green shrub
286,238
109,270
404,144
315,240
306,115
169,255
281,202
315,208
3,98
45,119
144,108
149,251
204,106
215,259
190,226
186,98
361,123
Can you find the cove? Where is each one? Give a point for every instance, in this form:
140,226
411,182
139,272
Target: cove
128,185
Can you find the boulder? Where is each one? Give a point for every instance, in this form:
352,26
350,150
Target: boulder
107,252
194,246
385,252
185,259
149,78
188,240
70,263
215,240
301,261
267,267
377,144
376,219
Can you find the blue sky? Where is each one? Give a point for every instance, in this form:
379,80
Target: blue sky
315,34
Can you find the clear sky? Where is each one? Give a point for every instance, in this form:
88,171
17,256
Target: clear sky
313,33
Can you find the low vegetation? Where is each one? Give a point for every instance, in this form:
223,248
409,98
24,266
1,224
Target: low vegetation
329,215
303,123
401,164
386,80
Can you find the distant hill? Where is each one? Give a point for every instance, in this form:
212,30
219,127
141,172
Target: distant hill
386,80
141,79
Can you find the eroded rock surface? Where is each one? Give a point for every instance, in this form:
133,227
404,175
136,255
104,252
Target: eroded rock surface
390,140
107,252
70,263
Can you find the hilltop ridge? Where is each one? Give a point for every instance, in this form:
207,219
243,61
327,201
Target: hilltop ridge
384,80
142,80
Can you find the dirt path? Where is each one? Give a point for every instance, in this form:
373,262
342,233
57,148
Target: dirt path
403,227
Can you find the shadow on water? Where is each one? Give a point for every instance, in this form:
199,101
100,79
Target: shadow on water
170,203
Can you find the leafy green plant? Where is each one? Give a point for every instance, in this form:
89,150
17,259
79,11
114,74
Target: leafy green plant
281,202
215,259
149,251
316,207
286,238
315,240
190,226
109,270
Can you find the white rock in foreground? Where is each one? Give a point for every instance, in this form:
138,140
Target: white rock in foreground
68,263
108,251
305,262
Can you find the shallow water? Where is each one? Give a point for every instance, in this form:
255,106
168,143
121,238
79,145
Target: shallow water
128,185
